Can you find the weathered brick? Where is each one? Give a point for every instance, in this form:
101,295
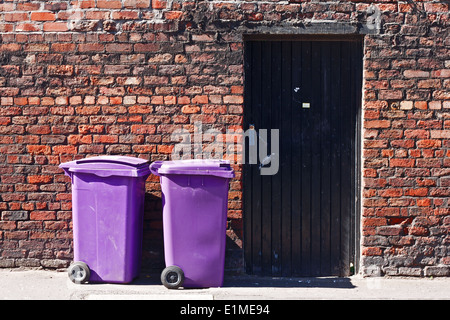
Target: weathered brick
7,225
133,4
14,215
91,47
39,149
60,70
436,7
109,4
119,47
377,124
437,271
125,15
55,26
159,4
143,128
146,47
416,74
14,17
64,150
173,15
390,230
440,134
42,215
167,149
39,179
372,251
43,16
117,69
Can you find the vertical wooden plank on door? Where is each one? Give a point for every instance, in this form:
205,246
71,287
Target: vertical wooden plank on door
285,156
296,91
306,74
315,118
352,125
325,173
345,117
276,179
266,183
335,227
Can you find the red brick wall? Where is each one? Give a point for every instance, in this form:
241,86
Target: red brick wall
83,78
406,140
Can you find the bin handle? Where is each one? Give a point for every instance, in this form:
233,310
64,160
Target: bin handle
154,167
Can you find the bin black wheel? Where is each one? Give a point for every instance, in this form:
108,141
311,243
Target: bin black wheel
172,277
79,272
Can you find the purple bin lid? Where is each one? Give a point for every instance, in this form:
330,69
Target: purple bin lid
214,167
108,166
128,161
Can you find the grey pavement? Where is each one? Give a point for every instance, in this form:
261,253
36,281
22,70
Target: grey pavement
38,284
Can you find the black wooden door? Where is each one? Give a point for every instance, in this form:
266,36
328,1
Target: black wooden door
301,221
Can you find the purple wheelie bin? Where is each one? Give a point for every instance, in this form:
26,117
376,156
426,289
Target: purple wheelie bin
107,213
195,203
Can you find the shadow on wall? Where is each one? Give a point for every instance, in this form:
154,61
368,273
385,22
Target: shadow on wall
153,239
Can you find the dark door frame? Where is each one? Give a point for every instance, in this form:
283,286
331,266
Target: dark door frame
355,250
